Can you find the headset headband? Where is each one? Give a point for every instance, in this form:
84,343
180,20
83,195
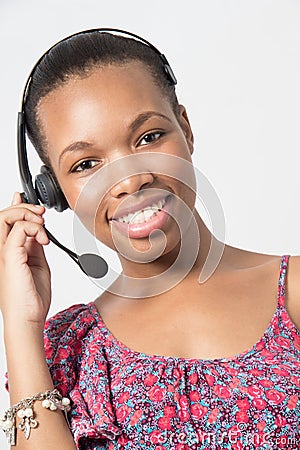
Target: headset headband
167,66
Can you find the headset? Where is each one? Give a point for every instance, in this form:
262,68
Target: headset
46,190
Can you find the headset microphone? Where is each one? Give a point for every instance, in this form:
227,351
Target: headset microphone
46,189
91,264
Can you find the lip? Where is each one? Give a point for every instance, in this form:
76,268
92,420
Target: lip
138,206
141,230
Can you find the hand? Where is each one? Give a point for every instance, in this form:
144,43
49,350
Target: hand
25,288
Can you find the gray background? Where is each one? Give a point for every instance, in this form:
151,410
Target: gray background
238,69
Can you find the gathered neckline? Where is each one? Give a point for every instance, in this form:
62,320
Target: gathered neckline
244,354
123,347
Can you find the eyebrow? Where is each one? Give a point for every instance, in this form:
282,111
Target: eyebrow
143,117
133,127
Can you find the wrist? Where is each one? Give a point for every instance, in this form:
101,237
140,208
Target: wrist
24,410
13,324
22,334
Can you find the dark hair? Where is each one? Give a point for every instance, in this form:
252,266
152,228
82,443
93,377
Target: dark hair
79,54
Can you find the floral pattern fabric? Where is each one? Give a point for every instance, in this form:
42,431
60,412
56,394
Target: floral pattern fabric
124,399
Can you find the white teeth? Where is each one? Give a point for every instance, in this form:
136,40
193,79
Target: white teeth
140,217
148,213
143,215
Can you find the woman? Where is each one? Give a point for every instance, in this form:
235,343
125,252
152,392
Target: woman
199,365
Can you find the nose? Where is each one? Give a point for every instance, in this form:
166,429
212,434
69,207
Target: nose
132,184
138,176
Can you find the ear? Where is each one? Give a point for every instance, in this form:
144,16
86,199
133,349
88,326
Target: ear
186,127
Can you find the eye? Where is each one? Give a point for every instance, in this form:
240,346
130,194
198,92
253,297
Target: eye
149,138
84,166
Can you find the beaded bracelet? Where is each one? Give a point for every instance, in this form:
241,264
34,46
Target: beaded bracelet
24,410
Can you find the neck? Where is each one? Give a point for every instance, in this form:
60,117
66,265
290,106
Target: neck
163,273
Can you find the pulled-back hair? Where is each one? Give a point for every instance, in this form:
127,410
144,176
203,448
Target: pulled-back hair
77,56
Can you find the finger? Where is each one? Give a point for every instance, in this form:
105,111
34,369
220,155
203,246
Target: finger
35,253
38,209
22,230
16,198
11,215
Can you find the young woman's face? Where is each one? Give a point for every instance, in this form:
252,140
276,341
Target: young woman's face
94,121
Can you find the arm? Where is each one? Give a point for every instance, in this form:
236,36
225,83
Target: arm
28,375
25,300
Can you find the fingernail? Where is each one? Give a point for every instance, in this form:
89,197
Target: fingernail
14,199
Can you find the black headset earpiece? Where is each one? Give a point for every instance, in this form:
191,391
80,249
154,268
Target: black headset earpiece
48,190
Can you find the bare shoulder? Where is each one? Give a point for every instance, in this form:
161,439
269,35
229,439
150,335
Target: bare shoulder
294,271
293,289
238,258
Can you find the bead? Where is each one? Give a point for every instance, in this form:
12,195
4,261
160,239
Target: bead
53,407
46,403
7,425
65,401
28,412
21,413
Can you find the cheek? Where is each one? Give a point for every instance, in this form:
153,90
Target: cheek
84,203
92,217
95,225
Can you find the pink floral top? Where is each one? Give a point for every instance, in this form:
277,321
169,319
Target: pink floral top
125,399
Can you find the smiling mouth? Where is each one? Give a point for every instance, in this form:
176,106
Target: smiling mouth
141,223
144,214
